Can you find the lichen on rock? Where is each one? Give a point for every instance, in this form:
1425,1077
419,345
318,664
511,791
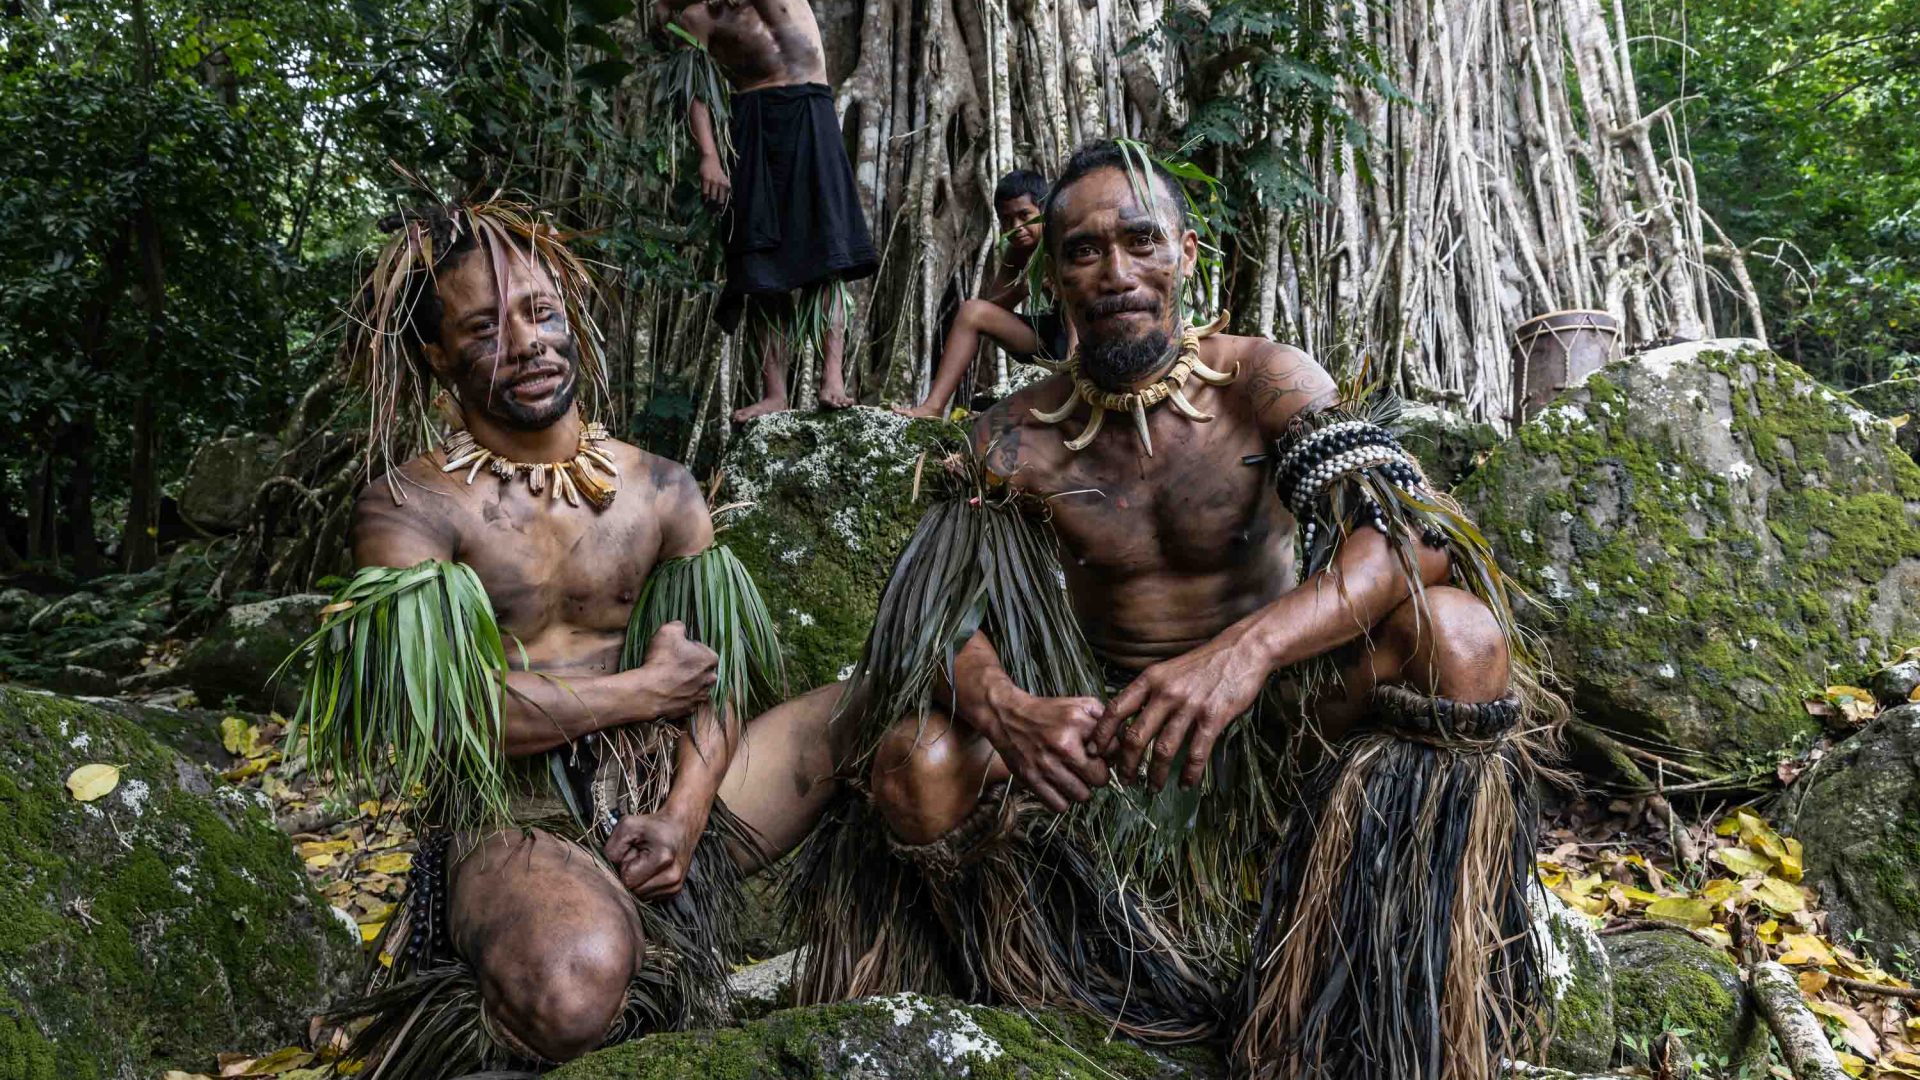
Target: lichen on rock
1711,528
902,1035
154,927
1579,980
826,505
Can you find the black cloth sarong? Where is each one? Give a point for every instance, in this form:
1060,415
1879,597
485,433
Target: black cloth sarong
795,218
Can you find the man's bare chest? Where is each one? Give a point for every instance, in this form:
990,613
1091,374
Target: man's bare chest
1191,508
547,565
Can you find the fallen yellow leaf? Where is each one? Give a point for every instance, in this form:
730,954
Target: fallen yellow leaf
1741,861
1792,865
89,782
320,861
1780,896
1716,935
1854,1029
251,767
280,1061
1851,1065
393,862
323,847
369,931
1805,949
176,1074
1812,981
239,737
1693,914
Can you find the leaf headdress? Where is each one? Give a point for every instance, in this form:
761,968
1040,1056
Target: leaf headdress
382,351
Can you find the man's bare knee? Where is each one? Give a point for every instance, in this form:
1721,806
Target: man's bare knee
1452,644
564,999
919,780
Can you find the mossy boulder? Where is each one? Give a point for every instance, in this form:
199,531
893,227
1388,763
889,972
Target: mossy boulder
1857,814
1711,528
828,506
1894,398
155,926
1580,981
904,1035
1668,980
1449,445
237,658
223,478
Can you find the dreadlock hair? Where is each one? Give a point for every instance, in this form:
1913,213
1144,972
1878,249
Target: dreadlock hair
1020,182
1109,154
397,310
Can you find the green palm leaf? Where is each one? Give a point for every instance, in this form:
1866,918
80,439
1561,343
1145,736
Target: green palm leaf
403,694
715,596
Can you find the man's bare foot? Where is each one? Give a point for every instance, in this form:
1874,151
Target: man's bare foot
926,410
834,396
760,408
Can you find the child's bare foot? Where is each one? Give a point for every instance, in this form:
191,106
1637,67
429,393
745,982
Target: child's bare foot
834,396
926,410
765,405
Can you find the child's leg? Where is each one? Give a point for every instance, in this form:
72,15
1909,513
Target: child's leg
975,319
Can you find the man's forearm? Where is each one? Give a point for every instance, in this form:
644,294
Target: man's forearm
700,120
1366,582
700,763
980,687
544,711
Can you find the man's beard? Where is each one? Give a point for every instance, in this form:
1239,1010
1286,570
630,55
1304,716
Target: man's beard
1116,364
501,405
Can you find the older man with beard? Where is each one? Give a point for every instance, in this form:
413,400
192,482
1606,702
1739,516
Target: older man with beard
1246,562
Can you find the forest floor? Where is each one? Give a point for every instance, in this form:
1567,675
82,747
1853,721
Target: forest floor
1727,877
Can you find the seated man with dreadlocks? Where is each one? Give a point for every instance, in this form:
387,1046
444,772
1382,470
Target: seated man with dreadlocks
795,234
544,651
1185,556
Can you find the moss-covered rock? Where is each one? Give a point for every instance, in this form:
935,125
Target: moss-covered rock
1580,979
1449,445
165,922
1895,398
828,507
223,478
1667,980
900,1036
237,658
1857,814
1712,528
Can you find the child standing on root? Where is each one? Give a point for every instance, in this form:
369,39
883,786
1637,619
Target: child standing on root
993,314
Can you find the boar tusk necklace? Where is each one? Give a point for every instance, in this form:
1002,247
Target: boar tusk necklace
1168,387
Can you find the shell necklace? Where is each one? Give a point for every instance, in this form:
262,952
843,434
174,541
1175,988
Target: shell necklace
1168,387
573,479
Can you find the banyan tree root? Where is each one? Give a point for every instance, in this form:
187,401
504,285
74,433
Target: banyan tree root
1795,1027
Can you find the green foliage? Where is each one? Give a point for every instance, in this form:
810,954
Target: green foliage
714,595
405,691
1802,140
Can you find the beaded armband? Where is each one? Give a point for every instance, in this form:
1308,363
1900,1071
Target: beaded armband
1314,463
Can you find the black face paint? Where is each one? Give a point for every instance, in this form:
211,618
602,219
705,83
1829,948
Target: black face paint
478,389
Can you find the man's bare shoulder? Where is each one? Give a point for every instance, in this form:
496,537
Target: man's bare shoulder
1004,435
1280,381
407,514
663,477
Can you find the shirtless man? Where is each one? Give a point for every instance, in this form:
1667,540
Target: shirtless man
1179,564
552,935
794,230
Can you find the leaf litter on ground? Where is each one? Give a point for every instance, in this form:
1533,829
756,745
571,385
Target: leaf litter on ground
1615,862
